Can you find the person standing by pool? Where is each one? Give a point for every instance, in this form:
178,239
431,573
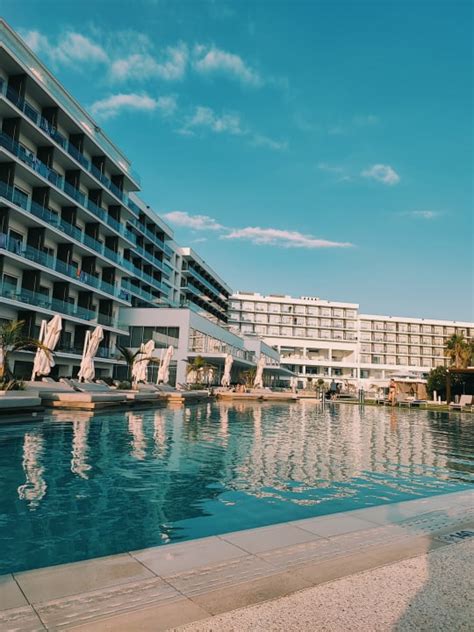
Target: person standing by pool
392,391
332,389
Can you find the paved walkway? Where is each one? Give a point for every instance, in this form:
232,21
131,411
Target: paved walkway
167,586
431,592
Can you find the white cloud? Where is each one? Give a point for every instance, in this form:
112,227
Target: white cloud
70,49
196,222
382,173
113,105
424,214
323,166
264,141
167,105
205,117
253,234
141,66
282,238
210,60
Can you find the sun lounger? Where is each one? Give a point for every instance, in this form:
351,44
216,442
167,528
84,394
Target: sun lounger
465,403
64,394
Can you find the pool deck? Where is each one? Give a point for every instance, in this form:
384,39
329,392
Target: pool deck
168,586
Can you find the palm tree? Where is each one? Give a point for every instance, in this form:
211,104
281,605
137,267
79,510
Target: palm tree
11,340
129,356
199,368
459,351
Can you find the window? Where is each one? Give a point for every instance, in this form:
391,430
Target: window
325,333
325,311
261,307
337,313
300,332
313,322
275,319
426,329
260,329
300,309
390,359
275,308
313,311
274,331
312,333
364,324
9,283
235,304
246,305
402,327
325,322
338,324
286,331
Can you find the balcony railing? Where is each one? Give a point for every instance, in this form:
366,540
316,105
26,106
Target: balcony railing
198,277
52,263
34,116
58,181
127,286
37,299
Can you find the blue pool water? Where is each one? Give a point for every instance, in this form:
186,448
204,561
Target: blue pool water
78,486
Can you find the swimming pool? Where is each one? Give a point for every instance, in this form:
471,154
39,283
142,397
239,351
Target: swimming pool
78,486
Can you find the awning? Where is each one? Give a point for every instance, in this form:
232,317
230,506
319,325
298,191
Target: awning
218,359
281,371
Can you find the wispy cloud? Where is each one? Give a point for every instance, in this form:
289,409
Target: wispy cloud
382,173
259,140
116,103
195,222
211,60
254,234
207,118
281,238
423,214
70,48
143,66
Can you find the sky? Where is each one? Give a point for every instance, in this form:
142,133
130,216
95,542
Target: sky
319,148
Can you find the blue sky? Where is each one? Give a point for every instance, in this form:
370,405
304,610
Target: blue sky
309,148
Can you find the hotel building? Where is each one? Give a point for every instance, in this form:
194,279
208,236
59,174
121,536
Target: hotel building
75,239
320,339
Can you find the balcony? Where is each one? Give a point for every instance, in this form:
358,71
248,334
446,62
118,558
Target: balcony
147,232
37,300
207,284
58,181
52,218
127,286
35,117
52,263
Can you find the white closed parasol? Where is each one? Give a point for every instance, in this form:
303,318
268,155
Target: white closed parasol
164,370
91,345
258,381
49,336
141,362
227,368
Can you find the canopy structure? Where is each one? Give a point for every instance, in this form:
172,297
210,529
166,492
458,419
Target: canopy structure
258,381
49,337
229,360
91,346
164,370
467,375
141,362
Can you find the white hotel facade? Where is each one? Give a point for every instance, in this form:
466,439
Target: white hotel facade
321,339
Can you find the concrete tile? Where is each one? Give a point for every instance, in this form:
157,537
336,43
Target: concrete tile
10,595
252,592
100,604
328,526
55,582
335,568
20,620
396,551
173,558
222,575
153,619
267,538
392,513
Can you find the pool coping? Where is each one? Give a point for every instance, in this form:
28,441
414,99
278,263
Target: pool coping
166,586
